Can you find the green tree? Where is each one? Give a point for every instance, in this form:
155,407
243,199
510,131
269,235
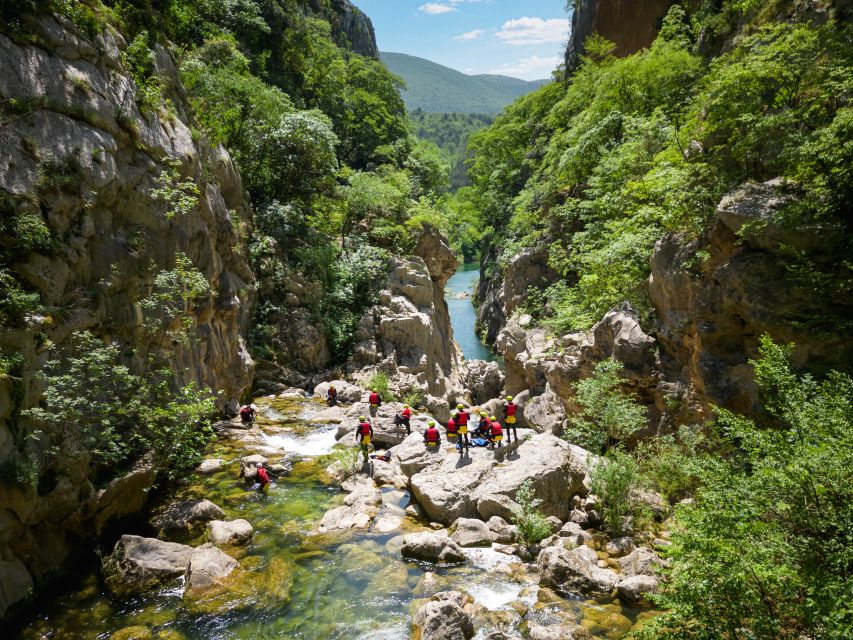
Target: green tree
766,552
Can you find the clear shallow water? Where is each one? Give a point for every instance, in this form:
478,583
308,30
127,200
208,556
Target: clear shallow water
298,585
463,316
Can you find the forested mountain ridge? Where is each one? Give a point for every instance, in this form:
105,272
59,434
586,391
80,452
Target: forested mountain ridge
434,88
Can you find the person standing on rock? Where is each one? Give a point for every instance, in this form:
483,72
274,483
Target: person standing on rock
496,433
374,400
332,396
406,419
510,411
462,422
363,435
432,438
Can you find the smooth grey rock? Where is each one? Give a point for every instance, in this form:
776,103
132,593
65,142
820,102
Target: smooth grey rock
443,618
138,564
432,547
208,568
471,532
230,532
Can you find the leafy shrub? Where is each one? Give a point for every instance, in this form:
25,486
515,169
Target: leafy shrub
15,302
766,550
342,462
607,415
138,59
179,196
94,405
612,480
671,464
379,381
532,525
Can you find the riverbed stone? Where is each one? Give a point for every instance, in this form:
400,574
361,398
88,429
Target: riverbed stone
208,568
230,532
563,631
470,532
634,588
138,564
443,617
503,532
431,546
619,547
182,516
642,561
574,570
500,506
210,465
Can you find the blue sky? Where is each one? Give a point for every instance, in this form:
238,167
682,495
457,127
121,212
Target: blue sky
520,38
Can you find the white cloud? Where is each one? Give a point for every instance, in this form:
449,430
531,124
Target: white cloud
532,68
435,8
524,31
470,35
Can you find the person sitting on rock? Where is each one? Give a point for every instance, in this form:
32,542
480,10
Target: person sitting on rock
374,400
263,478
363,435
247,414
510,411
332,396
406,419
496,433
432,438
462,424
483,427
452,427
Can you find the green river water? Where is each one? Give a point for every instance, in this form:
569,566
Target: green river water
299,585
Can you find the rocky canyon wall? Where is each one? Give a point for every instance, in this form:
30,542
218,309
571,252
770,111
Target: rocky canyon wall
77,153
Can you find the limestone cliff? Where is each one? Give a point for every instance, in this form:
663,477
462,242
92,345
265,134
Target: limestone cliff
77,153
408,334
628,24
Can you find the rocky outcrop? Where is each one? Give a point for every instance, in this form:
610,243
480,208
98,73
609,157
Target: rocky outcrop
714,302
444,617
353,25
629,25
499,295
182,516
574,570
408,334
484,380
139,564
80,157
432,547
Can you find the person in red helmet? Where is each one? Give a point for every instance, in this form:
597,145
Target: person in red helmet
363,435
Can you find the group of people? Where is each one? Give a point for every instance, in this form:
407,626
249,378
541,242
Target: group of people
489,432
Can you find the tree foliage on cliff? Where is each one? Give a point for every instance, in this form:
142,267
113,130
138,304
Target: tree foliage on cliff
631,148
766,552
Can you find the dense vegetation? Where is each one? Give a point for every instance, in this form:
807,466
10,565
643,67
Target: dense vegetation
450,133
629,148
435,88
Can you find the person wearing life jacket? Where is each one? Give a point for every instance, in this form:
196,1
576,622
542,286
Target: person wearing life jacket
332,396
247,414
510,411
406,419
363,435
496,433
263,478
432,438
374,400
462,424
483,426
452,427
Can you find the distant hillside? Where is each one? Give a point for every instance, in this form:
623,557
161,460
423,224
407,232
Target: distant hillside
434,88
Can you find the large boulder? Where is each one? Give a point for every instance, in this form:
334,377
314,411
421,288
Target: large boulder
347,392
447,491
124,495
230,532
503,533
553,467
635,588
208,568
470,532
642,561
484,380
15,583
183,515
563,631
574,570
545,413
358,510
138,564
432,547
443,617
412,455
